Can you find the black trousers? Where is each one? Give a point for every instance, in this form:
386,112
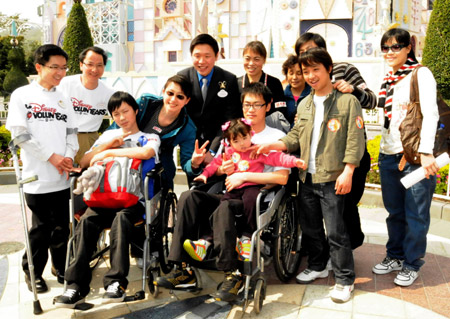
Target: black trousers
49,230
78,275
200,213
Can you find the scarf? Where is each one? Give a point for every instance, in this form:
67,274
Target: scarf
386,93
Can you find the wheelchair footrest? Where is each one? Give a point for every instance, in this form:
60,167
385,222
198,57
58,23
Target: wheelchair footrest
188,289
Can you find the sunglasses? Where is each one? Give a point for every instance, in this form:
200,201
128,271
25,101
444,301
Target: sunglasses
178,96
394,48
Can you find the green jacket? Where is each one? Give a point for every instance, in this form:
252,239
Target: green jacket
341,138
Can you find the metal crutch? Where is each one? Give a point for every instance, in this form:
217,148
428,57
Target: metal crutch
14,146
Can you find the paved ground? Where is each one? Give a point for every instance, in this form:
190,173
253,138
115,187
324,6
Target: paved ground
374,297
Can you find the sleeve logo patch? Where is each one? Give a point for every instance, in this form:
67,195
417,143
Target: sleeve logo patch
359,122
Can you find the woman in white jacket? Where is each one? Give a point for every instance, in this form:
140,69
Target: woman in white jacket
409,209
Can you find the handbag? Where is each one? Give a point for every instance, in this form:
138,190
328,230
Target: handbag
411,126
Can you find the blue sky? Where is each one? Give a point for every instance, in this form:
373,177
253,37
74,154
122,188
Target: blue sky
26,8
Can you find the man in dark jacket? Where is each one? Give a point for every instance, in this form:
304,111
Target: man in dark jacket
215,93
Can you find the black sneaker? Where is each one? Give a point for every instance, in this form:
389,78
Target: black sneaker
69,299
230,287
41,285
114,293
59,275
177,279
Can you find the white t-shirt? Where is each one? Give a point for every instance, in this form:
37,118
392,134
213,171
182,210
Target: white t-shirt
152,140
318,119
268,135
390,139
46,115
90,106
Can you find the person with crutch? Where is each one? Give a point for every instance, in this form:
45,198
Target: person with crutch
41,112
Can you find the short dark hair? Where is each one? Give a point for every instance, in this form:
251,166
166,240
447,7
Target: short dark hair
309,36
402,37
317,56
115,101
44,52
291,61
237,127
257,47
97,50
257,88
205,38
183,82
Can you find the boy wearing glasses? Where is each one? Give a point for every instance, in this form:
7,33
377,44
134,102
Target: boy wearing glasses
89,97
203,215
40,113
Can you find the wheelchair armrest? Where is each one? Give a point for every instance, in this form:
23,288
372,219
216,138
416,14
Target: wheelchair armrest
270,188
196,184
156,171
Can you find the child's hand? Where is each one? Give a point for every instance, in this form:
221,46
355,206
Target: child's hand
98,157
118,141
201,178
263,149
300,164
227,166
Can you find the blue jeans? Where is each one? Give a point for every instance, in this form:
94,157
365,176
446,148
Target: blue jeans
319,203
409,211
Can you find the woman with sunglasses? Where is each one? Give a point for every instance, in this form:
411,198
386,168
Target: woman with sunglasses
409,209
169,119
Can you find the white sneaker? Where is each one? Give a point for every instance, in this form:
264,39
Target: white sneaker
406,277
341,293
387,265
307,276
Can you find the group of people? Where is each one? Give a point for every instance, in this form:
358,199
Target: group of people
225,126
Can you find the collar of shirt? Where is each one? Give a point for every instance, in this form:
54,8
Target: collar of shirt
209,76
53,89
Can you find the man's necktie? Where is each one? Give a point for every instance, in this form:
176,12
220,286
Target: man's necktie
204,88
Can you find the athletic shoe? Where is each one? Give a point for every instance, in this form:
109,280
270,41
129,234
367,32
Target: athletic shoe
243,248
231,286
387,265
41,285
307,276
341,293
406,277
114,293
196,249
177,279
69,299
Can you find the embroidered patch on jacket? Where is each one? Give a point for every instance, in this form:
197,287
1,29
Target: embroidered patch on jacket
359,122
334,125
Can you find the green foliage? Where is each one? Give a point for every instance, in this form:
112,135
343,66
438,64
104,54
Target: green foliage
436,53
442,181
15,77
373,147
5,154
77,37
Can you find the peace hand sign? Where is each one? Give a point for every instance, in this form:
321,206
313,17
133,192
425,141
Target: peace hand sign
199,154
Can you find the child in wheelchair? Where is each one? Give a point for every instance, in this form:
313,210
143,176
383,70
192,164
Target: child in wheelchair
200,212
123,108
238,133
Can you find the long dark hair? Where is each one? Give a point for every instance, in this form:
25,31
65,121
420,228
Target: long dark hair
402,37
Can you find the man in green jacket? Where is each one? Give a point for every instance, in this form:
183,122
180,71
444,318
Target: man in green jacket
329,132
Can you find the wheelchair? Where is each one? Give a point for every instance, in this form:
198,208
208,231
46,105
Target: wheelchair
279,229
158,223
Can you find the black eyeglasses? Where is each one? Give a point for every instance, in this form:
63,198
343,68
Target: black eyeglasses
255,106
395,48
178,96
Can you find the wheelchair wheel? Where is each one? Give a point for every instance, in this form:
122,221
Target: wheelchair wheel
152,274
287,241
168,221
101,249
259,295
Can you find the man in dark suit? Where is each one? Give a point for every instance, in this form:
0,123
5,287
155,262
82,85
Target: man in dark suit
216,101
